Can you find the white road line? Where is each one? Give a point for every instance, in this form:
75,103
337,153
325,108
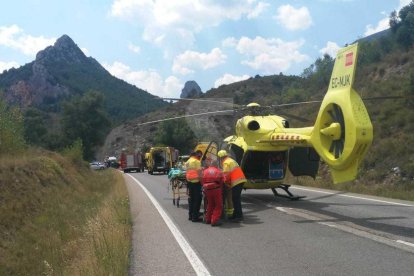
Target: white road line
350,196
400,244
189,252
406,243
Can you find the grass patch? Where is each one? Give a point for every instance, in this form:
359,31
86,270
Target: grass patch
58,217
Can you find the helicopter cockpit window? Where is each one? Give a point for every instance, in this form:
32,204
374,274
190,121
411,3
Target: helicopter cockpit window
210,154
253,125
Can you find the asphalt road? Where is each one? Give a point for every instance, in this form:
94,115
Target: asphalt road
327,233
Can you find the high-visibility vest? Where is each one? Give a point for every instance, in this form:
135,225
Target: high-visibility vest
233,174
193,167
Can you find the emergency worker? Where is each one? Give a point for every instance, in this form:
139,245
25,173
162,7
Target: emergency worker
212,181
233,178
193,177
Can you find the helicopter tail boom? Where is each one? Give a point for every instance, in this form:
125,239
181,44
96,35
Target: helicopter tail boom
343,131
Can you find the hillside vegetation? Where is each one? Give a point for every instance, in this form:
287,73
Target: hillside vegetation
64,95
57,217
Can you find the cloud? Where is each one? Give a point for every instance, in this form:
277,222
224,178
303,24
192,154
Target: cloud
403,3
294,19
15,38
179,20
187,62
337,0
229,42
134,48
85,51
149,80
331,49
271,55
382,25
257,10
229,78
5,65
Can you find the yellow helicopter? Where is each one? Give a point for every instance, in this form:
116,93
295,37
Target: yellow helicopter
266,147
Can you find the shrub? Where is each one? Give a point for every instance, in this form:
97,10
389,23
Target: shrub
75,153
11,130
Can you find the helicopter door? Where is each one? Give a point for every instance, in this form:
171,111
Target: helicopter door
303,161
236,152
210,154
277,165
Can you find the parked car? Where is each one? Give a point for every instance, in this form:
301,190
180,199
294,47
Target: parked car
97,165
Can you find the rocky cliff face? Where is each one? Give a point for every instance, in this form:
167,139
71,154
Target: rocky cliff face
191,89
38,84
64,50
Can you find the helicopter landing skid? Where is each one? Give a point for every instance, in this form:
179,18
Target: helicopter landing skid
285,187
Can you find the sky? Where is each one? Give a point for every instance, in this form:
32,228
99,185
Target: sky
158,45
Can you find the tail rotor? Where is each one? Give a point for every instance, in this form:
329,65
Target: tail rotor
343,131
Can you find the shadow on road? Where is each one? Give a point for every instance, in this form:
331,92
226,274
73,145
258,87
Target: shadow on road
376,223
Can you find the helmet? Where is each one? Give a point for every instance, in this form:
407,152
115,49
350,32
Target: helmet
199,153
222,153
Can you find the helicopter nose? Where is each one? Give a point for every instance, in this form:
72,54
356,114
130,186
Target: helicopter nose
253,125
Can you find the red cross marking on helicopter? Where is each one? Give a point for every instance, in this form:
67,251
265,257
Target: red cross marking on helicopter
349,59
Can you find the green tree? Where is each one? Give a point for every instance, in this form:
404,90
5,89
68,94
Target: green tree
318,74
11,130
295,95
369,52
175,133
84,118
410,91
403,25
35,128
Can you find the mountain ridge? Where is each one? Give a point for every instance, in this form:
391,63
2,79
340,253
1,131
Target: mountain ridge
62,71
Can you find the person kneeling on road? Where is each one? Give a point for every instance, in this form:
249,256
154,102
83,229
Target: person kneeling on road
212,181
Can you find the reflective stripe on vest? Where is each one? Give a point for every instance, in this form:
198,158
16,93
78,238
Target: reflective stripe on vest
233,174
193,166
237,176
192,176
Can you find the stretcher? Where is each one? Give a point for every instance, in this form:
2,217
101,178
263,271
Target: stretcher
178,185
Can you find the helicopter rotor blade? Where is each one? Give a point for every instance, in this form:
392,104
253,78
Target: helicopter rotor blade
297,103
332,115
295,117
341,145
336,149
364,99
331,148
202,100
187,116
336,115
385,98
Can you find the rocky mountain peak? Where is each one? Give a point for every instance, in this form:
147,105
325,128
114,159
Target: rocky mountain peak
191,89
65,42
64,50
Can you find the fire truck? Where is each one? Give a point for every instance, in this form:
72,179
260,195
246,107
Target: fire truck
132,161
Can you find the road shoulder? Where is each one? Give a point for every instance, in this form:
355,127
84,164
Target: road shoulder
154,249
